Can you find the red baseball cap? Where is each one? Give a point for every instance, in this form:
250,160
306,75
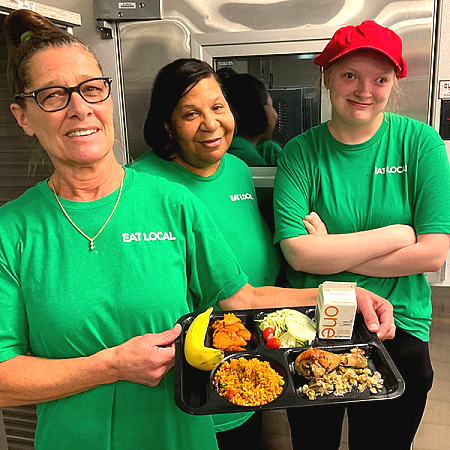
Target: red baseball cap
368,35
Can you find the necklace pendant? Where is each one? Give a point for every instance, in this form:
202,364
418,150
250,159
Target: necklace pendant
91,241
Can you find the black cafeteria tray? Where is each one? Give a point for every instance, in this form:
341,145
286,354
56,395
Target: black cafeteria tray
195,394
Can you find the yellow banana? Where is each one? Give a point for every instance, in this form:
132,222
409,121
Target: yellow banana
197,355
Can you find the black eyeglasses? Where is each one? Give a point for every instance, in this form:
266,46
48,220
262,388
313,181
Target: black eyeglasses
56,98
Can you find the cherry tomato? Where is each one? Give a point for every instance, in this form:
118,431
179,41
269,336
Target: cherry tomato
268,333
273,343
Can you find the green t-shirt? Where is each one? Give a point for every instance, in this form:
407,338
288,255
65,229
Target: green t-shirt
245,150
270,151
399,176
159,257
230,197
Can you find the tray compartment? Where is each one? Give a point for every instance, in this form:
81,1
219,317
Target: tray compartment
193,390
393,385
248,320
275,363
261,314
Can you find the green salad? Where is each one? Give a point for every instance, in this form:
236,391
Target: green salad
291,327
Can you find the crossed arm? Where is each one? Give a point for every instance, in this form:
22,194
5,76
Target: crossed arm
426,255
391,251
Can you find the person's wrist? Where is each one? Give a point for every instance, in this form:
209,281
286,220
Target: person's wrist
106,365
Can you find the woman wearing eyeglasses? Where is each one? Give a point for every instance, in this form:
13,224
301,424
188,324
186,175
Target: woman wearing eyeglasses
93,270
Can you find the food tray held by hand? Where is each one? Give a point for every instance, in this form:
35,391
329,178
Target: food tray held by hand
195,393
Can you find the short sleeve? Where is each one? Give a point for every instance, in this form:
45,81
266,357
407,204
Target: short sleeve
292,193
214,273
432,196
13,320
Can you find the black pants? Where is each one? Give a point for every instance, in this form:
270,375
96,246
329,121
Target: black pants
387,424
244,437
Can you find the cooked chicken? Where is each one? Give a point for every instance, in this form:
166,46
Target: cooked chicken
355,358
230,334
315,363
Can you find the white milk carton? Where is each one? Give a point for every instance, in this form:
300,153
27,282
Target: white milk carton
335,310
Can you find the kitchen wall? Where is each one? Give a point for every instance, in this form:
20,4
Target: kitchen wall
443,73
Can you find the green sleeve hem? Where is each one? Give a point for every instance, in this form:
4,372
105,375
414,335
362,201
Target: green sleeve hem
8,353
232,287
279,236
435,229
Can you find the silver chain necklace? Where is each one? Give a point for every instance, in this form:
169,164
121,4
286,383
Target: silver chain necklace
91,240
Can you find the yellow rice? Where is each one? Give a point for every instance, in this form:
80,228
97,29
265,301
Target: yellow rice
248,382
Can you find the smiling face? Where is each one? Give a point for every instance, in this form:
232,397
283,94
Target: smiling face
82,133
360,85
202,127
